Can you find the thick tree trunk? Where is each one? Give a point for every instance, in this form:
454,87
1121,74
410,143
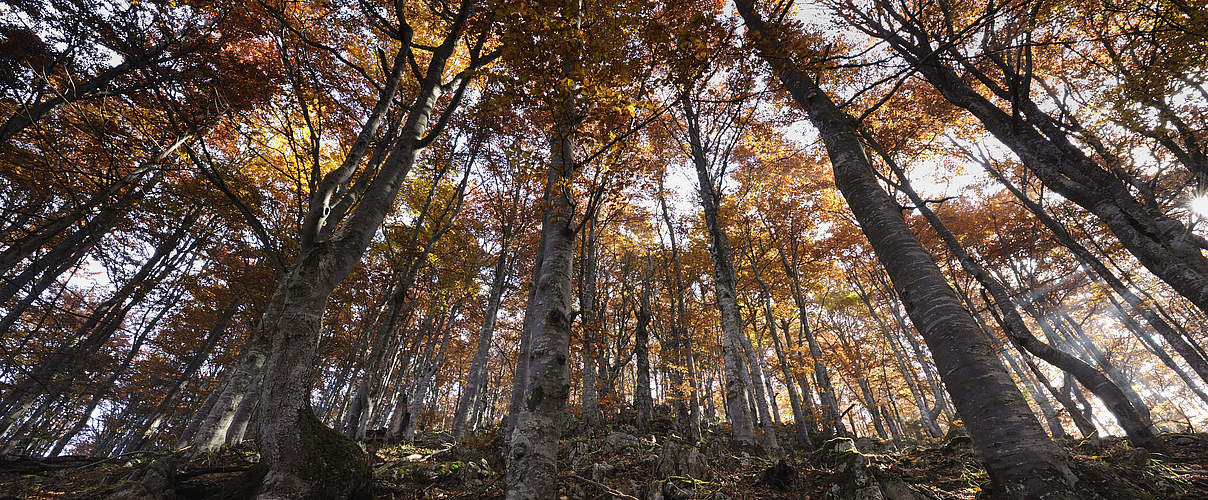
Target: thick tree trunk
1019,456
304,458
1135,421
532,469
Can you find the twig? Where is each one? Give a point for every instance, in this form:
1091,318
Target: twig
605,487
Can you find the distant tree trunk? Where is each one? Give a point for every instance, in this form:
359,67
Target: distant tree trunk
143,434
1056,429
641,392
476,379
297,449
1185,349
755,366
742,428
800,418
532,468
1161,243
590,322
425,374
688,411
100,393
1019,456
56,372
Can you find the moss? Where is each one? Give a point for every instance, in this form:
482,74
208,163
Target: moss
337,463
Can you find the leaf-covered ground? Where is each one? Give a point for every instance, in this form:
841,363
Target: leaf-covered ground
619,462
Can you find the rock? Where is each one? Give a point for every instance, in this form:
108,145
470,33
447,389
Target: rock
600,471
677,459
668,490
154,482
623,442
780,476
577,455
855,477
474,471
872,445
853,480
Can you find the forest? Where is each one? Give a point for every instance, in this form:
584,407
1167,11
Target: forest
307,249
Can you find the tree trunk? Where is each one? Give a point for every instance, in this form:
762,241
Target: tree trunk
1161,243
641,393
1019,456
1135,421
742,428
476,379
532,468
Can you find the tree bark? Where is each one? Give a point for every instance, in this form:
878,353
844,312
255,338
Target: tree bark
1135,421
1019,456
532,467
476,379
742,428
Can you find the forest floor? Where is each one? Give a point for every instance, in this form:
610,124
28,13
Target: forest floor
620,462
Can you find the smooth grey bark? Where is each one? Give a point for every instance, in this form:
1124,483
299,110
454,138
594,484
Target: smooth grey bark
758,385
1135,421
532,459
520,377
238,383
295,446
742,427
476,379
592,324
1019,456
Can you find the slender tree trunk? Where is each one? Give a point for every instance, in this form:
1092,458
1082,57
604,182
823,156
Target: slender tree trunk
476,379
1161,243
641,393
742,428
